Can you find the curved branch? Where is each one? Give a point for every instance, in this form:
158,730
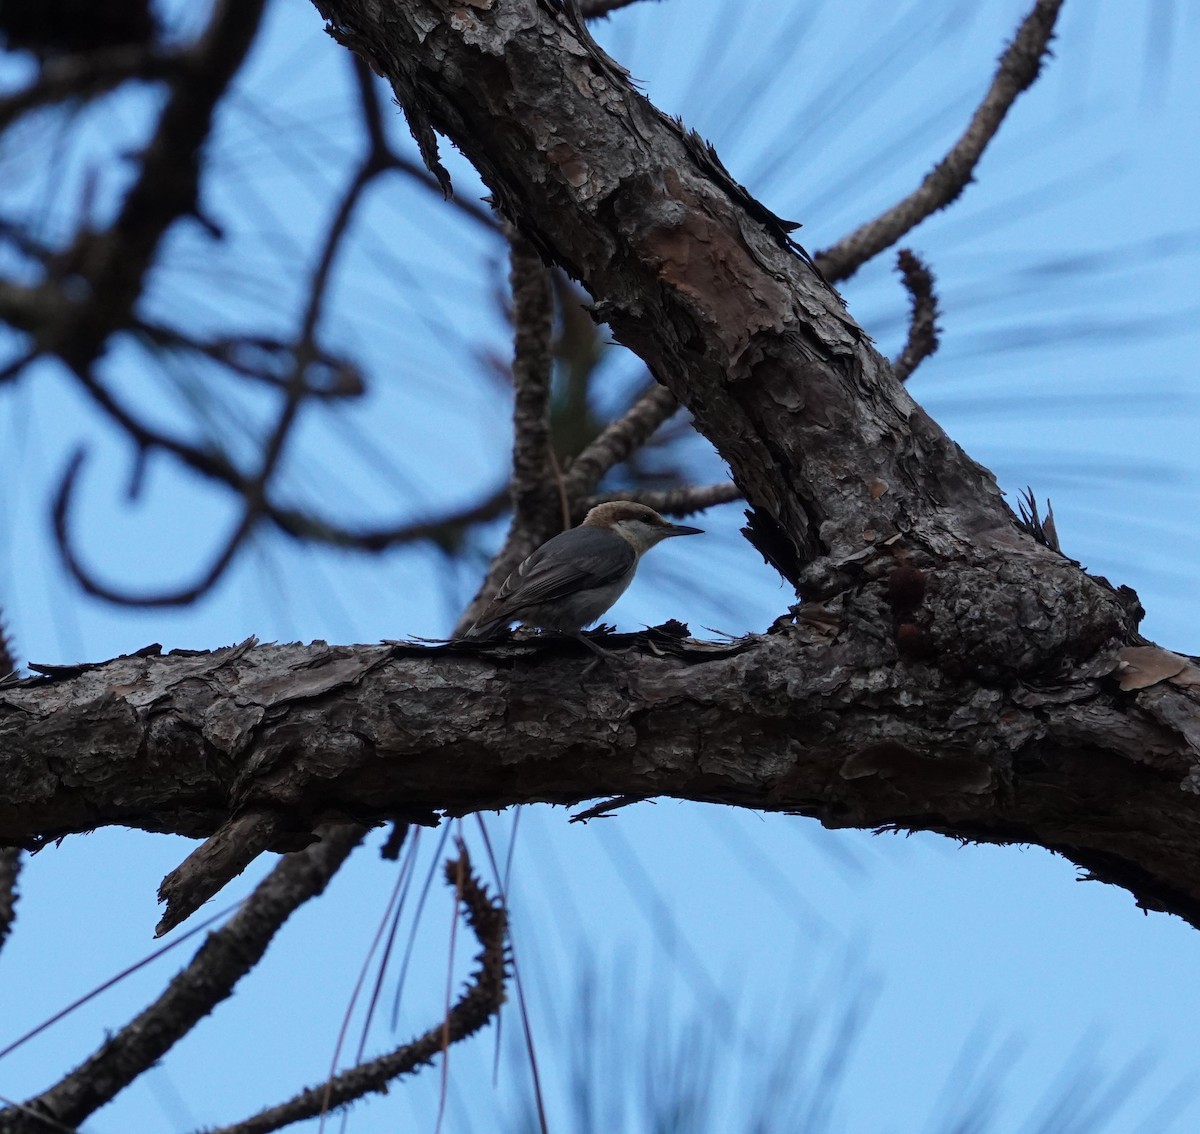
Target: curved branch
225,957
480,1001
1019,68
93,586
922,327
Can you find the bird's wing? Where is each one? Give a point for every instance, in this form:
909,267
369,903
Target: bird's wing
549,574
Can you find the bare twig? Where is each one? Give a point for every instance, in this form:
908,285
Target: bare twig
477,1005
225,957
922,327
1019,67
684,501
10,869
605,808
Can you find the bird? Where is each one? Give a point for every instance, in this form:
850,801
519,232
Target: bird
575,576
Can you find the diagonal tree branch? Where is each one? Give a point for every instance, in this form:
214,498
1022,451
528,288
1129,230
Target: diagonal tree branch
224,958
1019,67
480,1001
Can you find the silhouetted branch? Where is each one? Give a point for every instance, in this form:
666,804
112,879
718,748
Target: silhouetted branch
216,861
260,357
922,326
1019,67
224,958
477,1005
10,869
114,262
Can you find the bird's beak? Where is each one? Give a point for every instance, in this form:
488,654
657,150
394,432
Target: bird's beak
683,529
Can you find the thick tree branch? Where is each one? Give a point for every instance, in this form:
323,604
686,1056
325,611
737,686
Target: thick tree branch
224,958
822,718
1019,68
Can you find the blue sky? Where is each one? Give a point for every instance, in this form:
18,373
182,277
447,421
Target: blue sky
1068,282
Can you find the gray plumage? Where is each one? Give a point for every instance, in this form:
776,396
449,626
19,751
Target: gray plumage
575,576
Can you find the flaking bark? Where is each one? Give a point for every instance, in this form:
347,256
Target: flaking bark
819,718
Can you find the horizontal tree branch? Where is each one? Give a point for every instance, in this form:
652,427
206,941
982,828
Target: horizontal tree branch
820,718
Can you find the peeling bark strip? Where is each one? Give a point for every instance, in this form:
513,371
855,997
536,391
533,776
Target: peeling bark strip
843,470
818,719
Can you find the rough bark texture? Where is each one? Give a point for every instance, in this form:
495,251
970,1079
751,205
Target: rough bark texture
945,671
818,718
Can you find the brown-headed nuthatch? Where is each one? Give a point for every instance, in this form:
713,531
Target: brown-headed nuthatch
573,578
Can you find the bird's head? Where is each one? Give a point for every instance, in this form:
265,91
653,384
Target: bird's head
640,526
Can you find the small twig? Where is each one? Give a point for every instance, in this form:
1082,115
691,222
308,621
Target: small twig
226,956
1019,67
922,328
477,1005
605,808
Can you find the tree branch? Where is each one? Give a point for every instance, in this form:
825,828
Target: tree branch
478,1004
224,958
1019,67
922,326
820,718
87,75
